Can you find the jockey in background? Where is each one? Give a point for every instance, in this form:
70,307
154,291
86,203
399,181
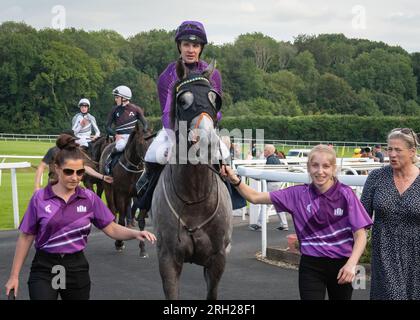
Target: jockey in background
82,124
121,121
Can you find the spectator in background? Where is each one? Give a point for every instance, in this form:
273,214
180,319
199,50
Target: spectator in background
357,153
281,155
377,152
391,195
272,159
254,150
367,153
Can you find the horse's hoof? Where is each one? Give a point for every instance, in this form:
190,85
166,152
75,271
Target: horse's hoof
120,249
144,255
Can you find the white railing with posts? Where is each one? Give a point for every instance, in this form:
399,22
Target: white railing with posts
262,175
28,137
295,143
13,167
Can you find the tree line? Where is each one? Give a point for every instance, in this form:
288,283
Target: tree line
44,73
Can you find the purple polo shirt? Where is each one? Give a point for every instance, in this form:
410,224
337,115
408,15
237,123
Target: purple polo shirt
324,222
62,227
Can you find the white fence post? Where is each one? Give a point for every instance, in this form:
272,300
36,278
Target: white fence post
13,167
264,223
15,198
0,171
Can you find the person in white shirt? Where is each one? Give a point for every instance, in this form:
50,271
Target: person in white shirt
82,124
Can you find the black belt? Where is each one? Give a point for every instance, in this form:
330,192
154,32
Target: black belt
58,255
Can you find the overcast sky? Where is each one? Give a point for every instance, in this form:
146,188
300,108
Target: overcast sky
393,22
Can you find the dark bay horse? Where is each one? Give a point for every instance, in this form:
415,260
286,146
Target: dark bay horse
191,206
126,173
94,154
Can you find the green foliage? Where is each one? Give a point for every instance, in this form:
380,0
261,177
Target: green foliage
153,51
43,73
322,127
388,73
334,95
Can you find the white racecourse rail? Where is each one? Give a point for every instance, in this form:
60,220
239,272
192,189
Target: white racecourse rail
264,174
13,166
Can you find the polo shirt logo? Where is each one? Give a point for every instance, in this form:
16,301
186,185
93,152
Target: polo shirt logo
338,212
48,208
81,209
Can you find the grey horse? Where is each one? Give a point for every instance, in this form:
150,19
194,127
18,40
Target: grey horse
191,207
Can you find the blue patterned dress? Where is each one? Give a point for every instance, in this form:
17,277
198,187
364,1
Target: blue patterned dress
395,236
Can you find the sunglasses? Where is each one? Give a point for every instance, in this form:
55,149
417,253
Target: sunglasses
408,132
70,172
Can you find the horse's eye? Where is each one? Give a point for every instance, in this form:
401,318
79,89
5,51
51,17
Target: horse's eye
186,100
213,99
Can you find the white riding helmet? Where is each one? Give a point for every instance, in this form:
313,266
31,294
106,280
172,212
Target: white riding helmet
84,101
123,92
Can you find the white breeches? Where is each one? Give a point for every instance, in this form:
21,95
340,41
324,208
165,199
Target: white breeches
161,148
121,142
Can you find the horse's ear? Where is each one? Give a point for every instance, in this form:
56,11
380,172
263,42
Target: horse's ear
210,69
181,69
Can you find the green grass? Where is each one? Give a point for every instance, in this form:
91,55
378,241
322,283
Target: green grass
25,177
24,148
25,184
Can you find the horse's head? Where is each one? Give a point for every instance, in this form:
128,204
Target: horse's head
136,145
196,103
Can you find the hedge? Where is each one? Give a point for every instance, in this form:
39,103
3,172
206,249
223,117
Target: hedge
319,127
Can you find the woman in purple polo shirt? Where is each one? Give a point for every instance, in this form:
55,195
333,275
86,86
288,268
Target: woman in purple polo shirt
59,218
330,223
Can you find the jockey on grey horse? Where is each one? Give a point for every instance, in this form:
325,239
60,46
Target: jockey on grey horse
190,38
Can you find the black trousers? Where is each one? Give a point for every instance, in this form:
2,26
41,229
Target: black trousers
318,275
54,274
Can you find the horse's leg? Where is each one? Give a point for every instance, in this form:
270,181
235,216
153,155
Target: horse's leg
170,271
213,273
99,188
87,182
121,205
142,225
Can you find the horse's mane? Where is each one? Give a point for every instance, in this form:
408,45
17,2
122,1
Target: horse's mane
172,114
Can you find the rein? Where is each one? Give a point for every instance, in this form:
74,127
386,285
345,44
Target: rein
181,221
135,167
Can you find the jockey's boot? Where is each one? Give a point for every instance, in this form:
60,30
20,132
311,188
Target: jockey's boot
111,161
151,172
147,183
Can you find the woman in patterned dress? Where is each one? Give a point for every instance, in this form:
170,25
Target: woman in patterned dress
392,194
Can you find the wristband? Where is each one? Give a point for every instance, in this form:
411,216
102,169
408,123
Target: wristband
238,183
